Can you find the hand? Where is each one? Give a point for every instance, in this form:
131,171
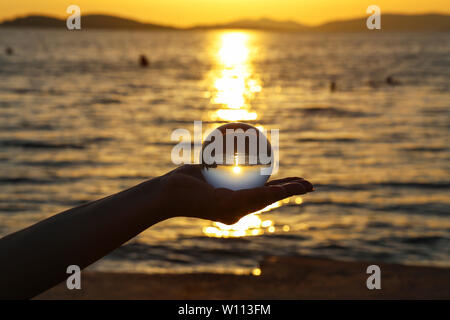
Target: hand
185,192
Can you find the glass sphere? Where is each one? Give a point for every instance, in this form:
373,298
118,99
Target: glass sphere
236,156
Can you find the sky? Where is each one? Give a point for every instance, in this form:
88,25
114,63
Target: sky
184,13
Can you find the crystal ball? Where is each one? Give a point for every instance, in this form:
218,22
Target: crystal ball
236,156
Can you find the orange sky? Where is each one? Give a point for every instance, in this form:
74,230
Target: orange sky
191,12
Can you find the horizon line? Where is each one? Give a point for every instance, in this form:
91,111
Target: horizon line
217,23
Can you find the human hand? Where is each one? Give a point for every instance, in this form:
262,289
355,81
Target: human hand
184,192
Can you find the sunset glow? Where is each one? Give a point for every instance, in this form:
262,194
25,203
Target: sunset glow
188,13
234,85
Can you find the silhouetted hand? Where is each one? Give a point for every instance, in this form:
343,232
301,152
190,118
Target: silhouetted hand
185,193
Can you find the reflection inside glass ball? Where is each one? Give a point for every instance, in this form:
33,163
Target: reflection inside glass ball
236,156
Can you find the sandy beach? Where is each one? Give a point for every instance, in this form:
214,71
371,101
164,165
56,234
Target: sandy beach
281,278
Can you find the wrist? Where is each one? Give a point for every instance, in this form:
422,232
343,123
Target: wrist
154,200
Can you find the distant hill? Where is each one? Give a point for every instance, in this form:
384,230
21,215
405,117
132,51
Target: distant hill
89,21
34,21
389,22
392,22
260,24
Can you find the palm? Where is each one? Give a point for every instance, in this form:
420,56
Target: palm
188,194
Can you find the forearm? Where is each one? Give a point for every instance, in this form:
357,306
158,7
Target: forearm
36,258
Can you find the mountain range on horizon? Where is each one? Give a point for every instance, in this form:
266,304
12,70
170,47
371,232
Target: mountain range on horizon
389,22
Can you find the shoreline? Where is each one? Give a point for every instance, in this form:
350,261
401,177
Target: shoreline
281,278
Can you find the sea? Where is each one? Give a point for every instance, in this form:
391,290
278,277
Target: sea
364,116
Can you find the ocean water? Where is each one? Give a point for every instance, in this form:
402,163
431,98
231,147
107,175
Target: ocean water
79,120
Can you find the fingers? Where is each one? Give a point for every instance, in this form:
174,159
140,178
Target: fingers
257,198
283,180
193,170
295,187
309,186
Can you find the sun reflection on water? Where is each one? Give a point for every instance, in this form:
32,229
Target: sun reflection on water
234,84
250,225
